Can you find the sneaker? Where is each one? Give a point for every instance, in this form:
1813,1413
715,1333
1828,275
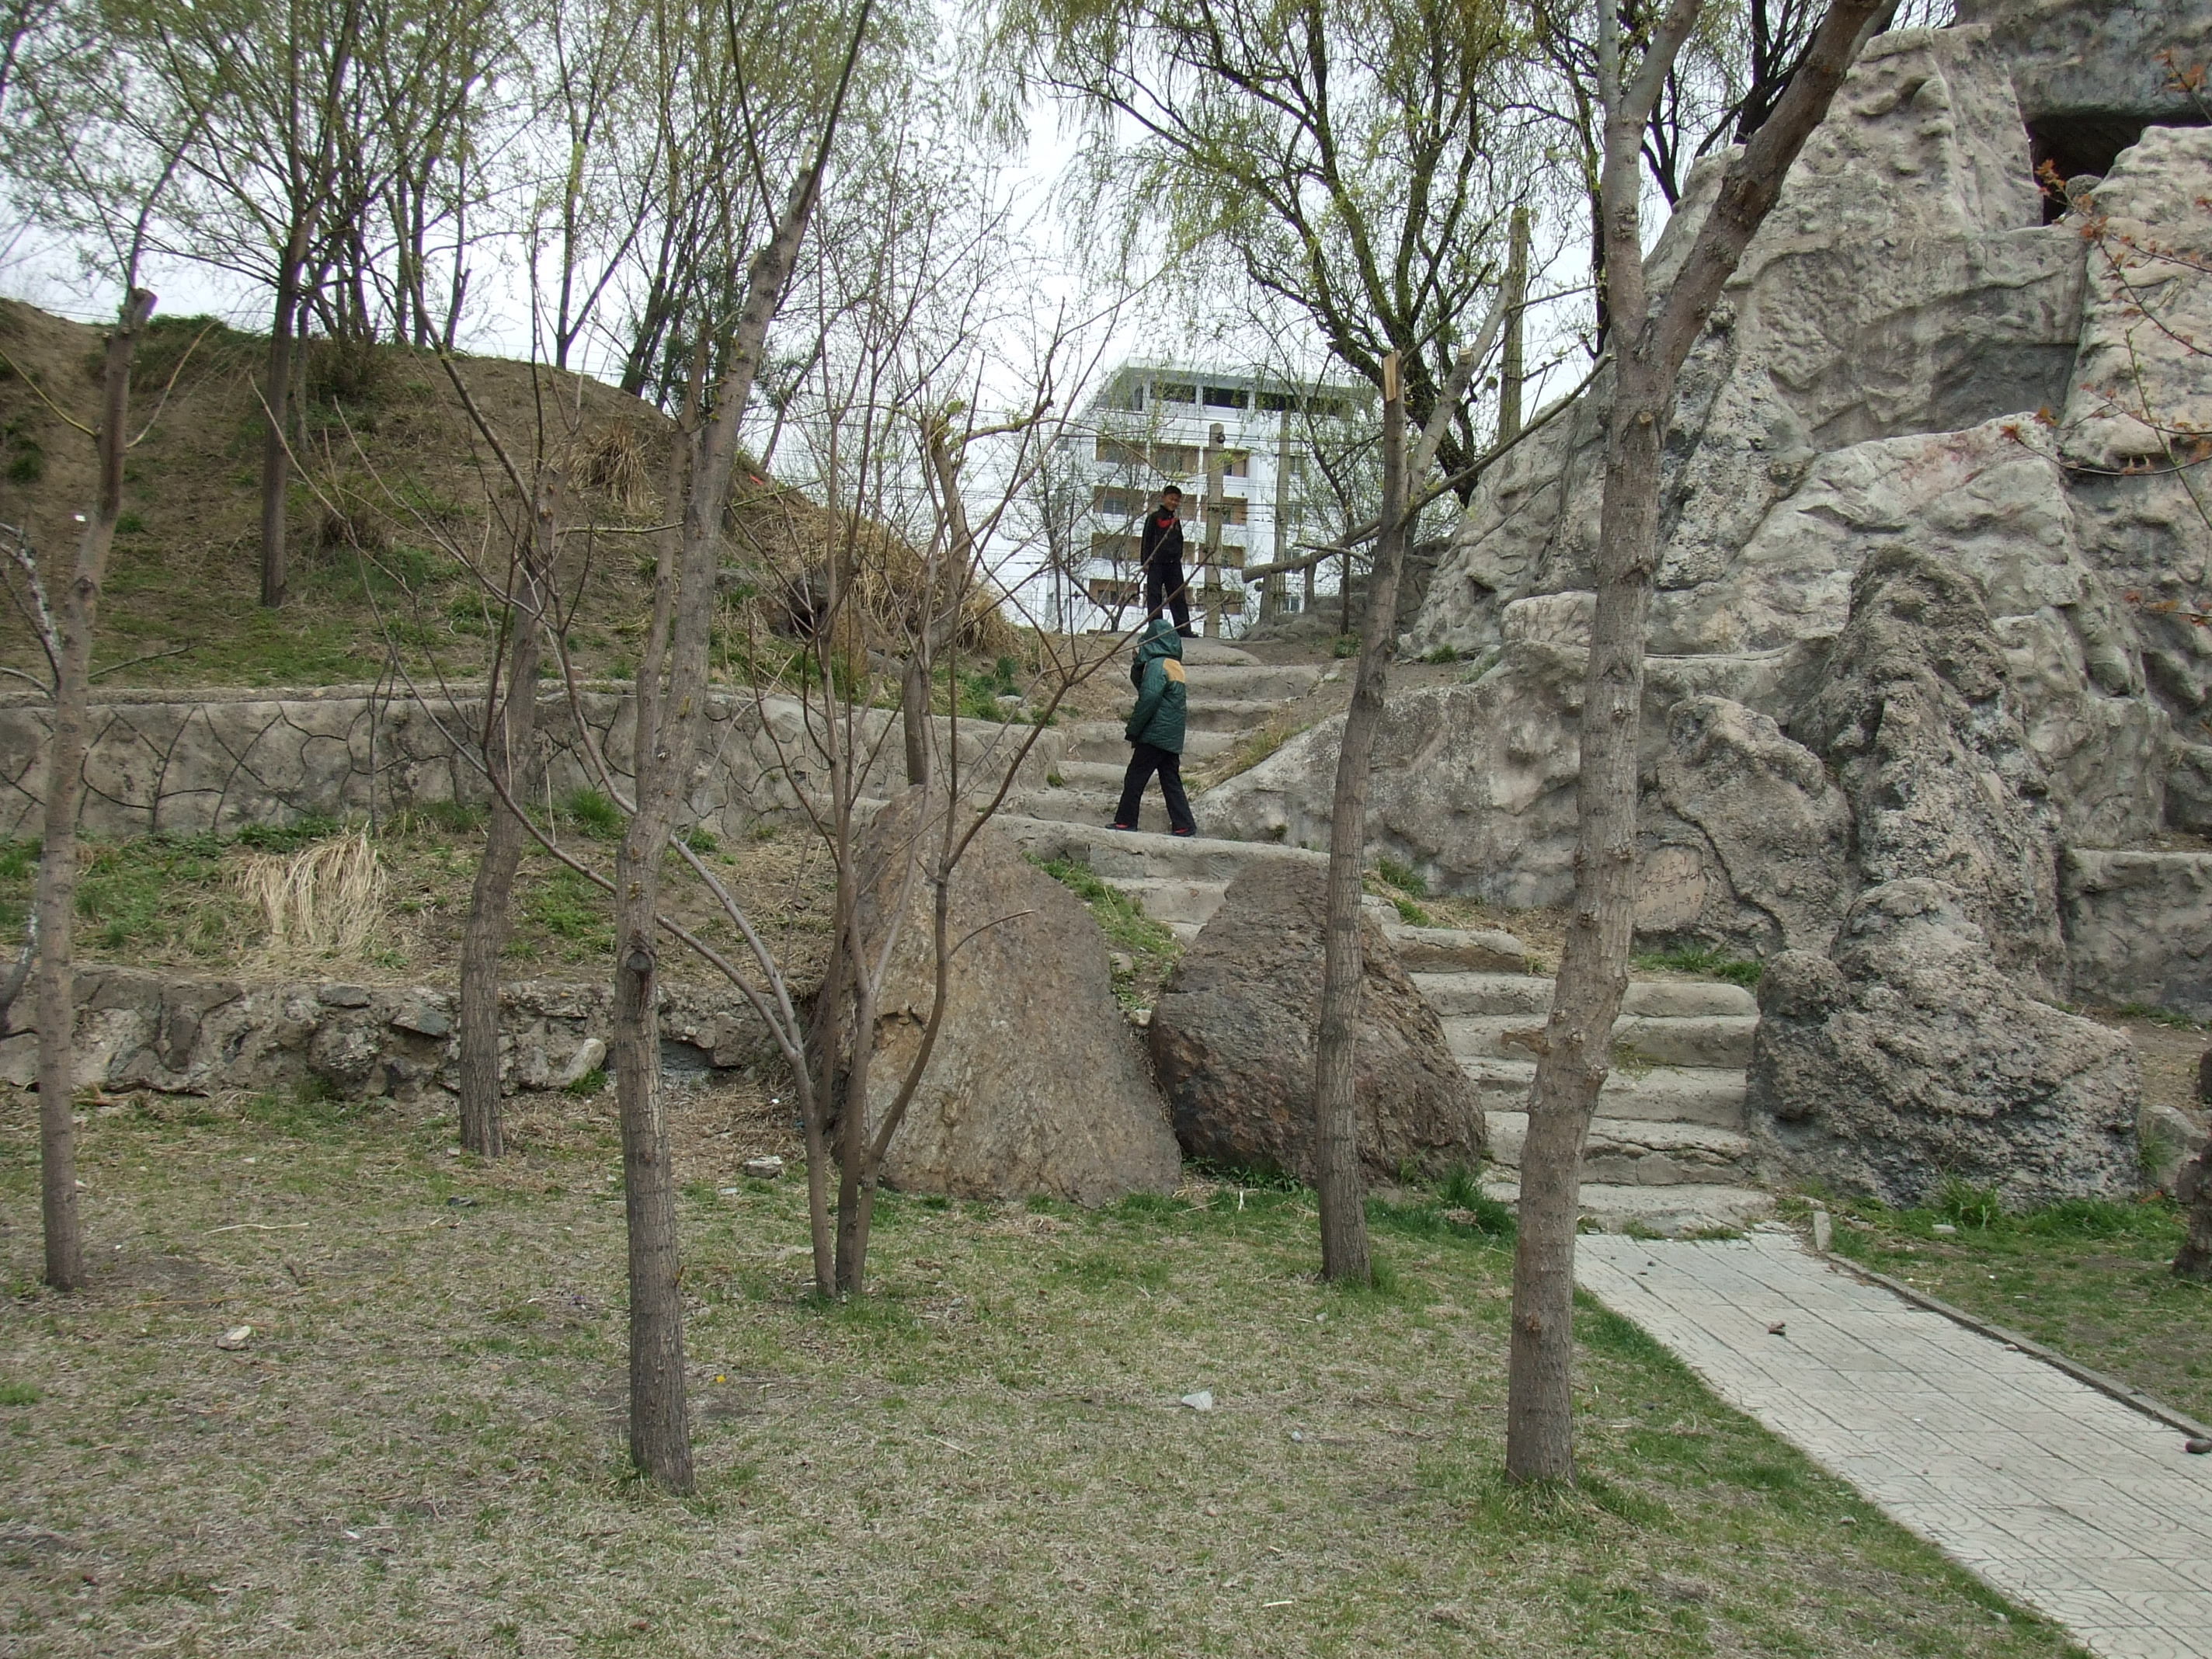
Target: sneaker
1121,826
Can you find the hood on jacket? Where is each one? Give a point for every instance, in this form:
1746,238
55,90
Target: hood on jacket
1159,640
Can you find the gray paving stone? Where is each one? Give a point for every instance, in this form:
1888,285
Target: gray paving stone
2054,1494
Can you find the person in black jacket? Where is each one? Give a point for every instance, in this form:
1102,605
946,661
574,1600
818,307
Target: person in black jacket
1161,551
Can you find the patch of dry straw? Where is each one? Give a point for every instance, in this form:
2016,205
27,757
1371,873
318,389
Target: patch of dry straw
325,900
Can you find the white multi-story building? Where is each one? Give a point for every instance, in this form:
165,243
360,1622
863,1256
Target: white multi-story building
1154,424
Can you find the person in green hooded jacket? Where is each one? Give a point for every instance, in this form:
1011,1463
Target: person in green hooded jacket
1155,729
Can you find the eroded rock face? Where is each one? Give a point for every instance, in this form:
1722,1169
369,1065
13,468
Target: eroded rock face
1907,1058
1771,833
2139,928
1905,284
1916,722
1037,1085
2089,77
1233,1034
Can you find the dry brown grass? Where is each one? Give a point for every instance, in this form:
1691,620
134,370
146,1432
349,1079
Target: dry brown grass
417,1453
325,900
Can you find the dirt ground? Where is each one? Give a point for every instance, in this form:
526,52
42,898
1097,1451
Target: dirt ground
417,1450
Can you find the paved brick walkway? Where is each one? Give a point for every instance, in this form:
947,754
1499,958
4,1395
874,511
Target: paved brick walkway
2061,1498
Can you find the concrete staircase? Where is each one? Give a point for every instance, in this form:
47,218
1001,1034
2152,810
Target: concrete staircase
1667,1150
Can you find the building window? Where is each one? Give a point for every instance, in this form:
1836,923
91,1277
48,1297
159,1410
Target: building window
1111,593
1178,392
1115,549
1234,509
1118,503
1227,397
1116,452
1176,460
1236,464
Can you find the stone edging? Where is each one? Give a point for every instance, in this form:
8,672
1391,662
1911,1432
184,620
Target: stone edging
2134,1399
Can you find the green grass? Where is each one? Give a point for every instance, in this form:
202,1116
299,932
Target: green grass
420,1448
1150,945
1711,963
2088,1277
1403,876
593,812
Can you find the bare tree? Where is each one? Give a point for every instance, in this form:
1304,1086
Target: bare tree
76,612
1650,340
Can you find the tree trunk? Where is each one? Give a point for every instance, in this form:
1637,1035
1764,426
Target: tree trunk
1594,968
1336,1114
1512,362
510,753
913,714
1648,352
2194,1189
56,888
276,458
660,1418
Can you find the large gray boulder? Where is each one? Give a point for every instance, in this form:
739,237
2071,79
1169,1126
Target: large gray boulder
1906,1058
1916,720
1037,1085
2139,928
1233,1041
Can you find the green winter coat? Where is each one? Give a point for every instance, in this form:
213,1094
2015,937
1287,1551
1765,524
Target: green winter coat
1158,718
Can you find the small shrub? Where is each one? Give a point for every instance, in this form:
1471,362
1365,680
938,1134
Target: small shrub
594,814
702,840
1442,654
130,525
1402,876
18,1393
1965,1204
345,371
1346,645
590,1083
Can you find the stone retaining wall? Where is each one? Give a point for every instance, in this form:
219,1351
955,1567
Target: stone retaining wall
219,761
180,1033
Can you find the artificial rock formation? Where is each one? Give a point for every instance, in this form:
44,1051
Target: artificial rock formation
1909,365
1233,1034
1905,1058
1037,1085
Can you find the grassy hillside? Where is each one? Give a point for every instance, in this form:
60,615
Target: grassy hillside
393,468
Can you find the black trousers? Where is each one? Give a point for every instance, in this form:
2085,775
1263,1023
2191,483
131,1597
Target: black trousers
1166,588
1144,761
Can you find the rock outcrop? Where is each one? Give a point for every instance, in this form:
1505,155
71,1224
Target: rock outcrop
1037,1085
2090,78
1914,716
1233,1035
1906,1058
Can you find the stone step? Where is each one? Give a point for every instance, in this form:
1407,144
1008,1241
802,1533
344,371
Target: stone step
1255,682
1074,805
1114,855
1640,1153
1447,951
1664,1094
1104,775
1493,992
1669,1211
1718,1041
1102,741
1235,715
